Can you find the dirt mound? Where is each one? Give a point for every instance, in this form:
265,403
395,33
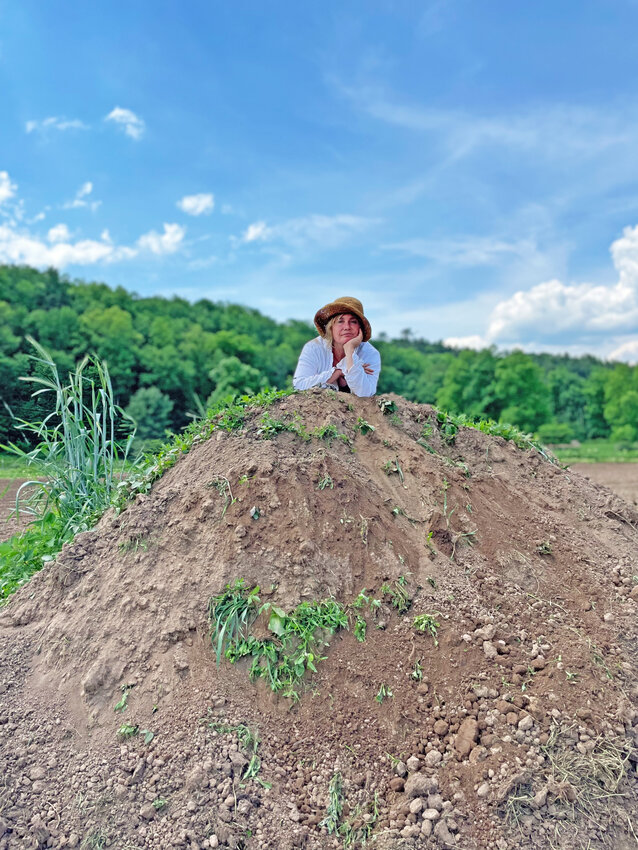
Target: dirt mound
507,714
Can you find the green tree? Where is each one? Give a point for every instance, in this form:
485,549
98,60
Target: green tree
230,377
468,385
150,409
520,390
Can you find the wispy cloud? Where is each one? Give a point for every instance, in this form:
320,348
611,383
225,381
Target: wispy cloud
167,242
80,201
55,123
200,204
7,188
559,131
463,252
132,124
319,230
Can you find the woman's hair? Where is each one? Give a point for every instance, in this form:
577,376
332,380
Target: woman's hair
328,333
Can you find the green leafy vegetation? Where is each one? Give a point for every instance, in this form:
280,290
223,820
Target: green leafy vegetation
297,641
427,624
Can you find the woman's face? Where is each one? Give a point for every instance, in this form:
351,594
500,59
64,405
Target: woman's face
345,327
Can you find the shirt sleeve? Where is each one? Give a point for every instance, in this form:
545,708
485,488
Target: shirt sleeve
307,373
360,383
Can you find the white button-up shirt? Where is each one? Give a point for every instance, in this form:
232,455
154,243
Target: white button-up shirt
315,367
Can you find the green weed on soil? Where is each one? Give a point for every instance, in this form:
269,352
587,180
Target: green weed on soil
298,638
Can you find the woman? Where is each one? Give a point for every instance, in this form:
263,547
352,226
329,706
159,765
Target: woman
340,358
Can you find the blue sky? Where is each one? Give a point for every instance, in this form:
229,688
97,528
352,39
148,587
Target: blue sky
467,169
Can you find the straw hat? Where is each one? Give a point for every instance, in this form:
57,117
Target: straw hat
336,308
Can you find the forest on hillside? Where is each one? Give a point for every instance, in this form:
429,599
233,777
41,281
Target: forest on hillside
169,359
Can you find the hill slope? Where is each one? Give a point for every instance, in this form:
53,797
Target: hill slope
509,713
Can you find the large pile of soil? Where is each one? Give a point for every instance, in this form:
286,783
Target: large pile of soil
517,725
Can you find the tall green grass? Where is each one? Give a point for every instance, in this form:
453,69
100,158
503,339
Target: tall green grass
74,462
76,444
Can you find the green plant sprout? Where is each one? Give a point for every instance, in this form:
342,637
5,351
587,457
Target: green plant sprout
364,426
427,624
384,692
417,671
387,406
324,482
393,466
360,627
123,702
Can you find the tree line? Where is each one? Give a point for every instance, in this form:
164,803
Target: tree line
170,359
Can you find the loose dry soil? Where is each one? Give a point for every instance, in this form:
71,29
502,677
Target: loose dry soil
520,732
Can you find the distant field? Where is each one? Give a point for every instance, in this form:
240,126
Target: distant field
597,451
13,467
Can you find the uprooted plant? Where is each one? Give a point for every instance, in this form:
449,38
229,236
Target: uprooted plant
297,641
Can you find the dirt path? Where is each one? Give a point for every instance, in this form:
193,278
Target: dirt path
622,478
8,490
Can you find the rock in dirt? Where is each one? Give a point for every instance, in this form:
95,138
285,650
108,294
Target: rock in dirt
466,737
419,785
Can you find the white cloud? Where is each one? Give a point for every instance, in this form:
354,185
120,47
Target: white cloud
553,308
7,188
163,243
197,204
26,249
474,341
59,233
55,123
255,232
320,230
80,201
627,352
132,124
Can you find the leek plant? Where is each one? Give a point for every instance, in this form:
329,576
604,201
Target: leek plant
74,459
77,451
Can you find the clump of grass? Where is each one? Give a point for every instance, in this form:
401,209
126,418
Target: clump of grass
583,783
298,637
449,424
231,613
427,624
222,485
334,809
366,815
330,433
393,466
269,427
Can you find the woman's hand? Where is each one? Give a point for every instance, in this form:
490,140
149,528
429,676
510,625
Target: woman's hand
335,376
353,343
367,368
